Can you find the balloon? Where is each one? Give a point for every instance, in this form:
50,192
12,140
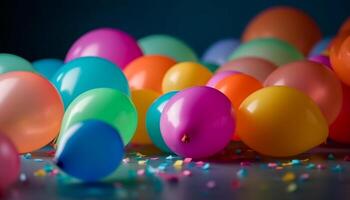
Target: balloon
238,87
184,75
321,46
219,76
218,52
111,44
10,62
90,150
285,23
167,45
345,27
321,59
105,104
147,72
31,110
9,163
212,67
339,131
142,100
274,50
86,73
315,80
47,67
197,122
280,121
256,67
153,120
340,58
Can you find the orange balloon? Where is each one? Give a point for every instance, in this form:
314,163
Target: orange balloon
31,110
147,72
286,23
345,27
237,88
340,58
258,68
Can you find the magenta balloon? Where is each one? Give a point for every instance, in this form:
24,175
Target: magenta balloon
197,122
219,76
9,162
111,44
321,59
256,67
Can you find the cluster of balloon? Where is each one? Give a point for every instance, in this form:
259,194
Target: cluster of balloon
218,52
285,23
10,62
111,44
321,59
194,127
321,47
167,45
9,163
280,121
86,73
184,75
75,156
47,67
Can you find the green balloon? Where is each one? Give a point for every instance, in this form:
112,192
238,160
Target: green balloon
169,46
105,104
10,62
274,50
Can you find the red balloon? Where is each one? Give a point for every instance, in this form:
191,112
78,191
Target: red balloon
339,131
9,162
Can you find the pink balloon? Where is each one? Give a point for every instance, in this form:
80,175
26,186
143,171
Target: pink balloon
9,162
321,59
219,76
197,122
256,67
315,80
111,44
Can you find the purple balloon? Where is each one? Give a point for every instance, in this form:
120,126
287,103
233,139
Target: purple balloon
321,59
197,122
219,76
108,43
218,52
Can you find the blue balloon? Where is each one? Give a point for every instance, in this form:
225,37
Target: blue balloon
90,150
47,67
86,73
153,120
320,46
219,52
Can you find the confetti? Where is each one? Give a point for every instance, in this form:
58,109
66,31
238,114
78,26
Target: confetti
142,162
292,187
337,168
187,173
288,177
22,177
200,163
40,173
206,166
242,173
140,172
321,166
187,160
296,162
48,168
304,177
38,160
245,163
126,160
235,184
279,168
178,164
330,156
211,184
272,165
27,156
169,157
311,166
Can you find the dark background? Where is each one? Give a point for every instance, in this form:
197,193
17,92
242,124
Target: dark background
44,28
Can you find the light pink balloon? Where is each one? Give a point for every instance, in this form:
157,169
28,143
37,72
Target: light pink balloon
111,44
9,162
315,80
256,67
219,76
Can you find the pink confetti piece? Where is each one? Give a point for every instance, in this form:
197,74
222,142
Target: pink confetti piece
200,163
140,172
272,165
187,160
321,166
187,173
245,163
211,184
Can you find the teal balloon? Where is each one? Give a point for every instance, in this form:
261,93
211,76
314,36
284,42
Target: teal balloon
169,46
10,62
277,51
153,120
211,66
86,73
47,67
90,150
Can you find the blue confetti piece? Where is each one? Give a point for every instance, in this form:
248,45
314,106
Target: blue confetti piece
242,173
206,166
38,160
338,168
48,168
170,157
311,166
330,156
296,162
27,156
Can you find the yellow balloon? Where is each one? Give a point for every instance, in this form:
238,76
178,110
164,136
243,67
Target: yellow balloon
184,75
142,100
280,121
